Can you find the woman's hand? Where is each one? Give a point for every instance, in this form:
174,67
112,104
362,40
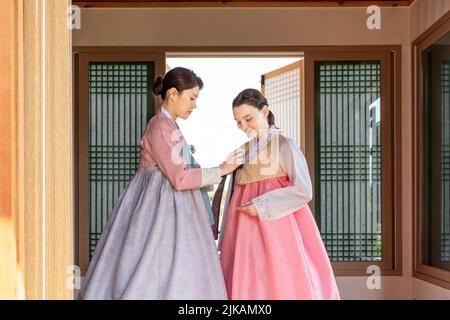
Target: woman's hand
249,209
234,160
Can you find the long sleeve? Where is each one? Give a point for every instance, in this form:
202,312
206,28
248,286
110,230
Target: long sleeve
281,202
165,144
210,177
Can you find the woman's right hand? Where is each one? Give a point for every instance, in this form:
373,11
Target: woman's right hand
234,160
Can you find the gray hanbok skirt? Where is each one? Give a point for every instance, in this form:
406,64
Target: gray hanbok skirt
157,244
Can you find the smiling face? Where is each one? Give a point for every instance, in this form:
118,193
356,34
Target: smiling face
183,103
250,119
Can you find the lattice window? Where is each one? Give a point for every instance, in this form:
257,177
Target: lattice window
348,159
283,95
119,109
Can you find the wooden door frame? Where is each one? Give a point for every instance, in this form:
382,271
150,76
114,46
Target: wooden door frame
307,51
81,120
391,220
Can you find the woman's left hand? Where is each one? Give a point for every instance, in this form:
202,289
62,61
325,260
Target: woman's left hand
249,209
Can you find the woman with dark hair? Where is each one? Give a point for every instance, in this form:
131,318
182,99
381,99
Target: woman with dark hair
271,247
158,243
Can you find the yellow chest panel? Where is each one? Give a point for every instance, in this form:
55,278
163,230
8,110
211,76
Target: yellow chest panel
265,165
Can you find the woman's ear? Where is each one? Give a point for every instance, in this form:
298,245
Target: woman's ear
172,93
266,110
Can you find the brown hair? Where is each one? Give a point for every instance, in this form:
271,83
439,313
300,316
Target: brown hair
254,98
178,78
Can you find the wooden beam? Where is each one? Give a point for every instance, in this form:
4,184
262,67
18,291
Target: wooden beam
237,3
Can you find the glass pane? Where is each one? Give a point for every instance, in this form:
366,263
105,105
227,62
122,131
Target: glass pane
435,217
120,106
348,162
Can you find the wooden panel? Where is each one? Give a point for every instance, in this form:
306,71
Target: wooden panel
239,3
43,154
58,151
30,153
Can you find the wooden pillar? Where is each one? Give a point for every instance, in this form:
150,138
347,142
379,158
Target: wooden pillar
36,199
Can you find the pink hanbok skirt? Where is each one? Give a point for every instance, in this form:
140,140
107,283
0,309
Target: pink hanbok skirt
278,259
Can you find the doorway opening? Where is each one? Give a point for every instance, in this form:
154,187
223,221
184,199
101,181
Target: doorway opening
212,128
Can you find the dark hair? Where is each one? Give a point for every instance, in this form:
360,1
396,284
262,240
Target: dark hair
178,78
254,98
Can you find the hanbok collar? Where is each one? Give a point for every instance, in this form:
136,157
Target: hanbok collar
167,113
259,143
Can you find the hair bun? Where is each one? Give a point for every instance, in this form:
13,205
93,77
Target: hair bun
158,86
271,119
